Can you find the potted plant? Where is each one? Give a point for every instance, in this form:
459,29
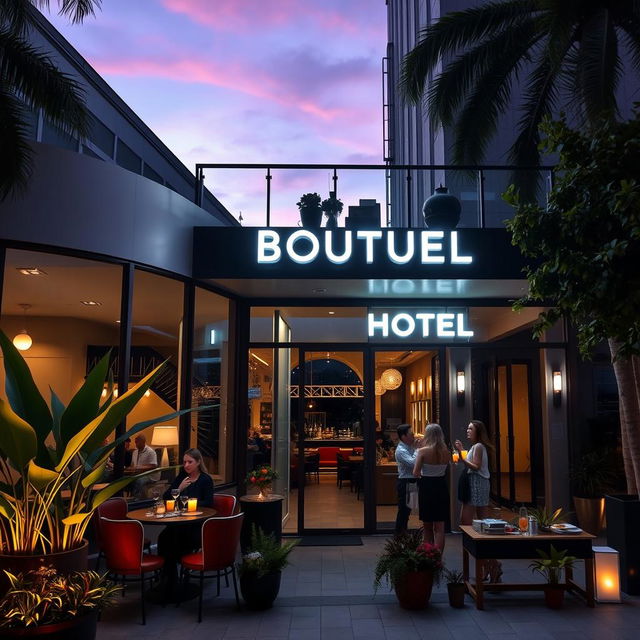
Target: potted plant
410,566
591,476
261,478
310,211
551,566
546,517
47,453
46,604
332,207
261,568
456,587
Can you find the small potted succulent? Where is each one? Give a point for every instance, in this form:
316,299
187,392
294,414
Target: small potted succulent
55,606
546,518
261,568
410,566
332,207
310,211
456,587
550,566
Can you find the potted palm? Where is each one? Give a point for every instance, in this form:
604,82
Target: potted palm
456,587
310,211
45,604
410,566
332,207
551,566
591,476
50,460
261,568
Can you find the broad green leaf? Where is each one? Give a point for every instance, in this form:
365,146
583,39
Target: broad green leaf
18,439
40,477
76,518
93,434
95,476
57,409
85,404
6,508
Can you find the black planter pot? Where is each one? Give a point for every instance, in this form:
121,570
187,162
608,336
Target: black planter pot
259,593
623,524
441,210
456,591
311,217
82,628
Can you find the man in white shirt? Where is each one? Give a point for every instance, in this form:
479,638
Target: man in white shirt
144,458
406,458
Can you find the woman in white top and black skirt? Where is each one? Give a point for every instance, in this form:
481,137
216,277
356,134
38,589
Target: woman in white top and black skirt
430,468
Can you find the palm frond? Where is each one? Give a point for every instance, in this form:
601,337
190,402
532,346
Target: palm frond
454,31
450,88
34,77
599,66
14,15
16,156
75,10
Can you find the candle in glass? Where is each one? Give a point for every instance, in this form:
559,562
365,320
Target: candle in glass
192,505
171,505
160,510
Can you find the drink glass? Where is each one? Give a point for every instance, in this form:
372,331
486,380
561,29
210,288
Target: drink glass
523,520
184,499
174,494
455,456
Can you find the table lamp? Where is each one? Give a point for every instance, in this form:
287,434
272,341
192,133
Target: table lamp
165,436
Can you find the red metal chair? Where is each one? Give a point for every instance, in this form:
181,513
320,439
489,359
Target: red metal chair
220,541
224,504
123,549
114,509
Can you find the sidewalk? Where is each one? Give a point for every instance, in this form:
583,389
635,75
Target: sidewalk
327,593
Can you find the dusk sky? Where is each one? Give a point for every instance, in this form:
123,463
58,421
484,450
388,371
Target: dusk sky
280,81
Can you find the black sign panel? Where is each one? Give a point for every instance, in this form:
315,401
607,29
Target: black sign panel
290,252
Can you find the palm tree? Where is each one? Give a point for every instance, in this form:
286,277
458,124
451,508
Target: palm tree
30,80
569,50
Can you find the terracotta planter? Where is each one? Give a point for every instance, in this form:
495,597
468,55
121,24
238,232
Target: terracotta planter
554,596
62,561
413,590
259,593
590,514
82,628
456,592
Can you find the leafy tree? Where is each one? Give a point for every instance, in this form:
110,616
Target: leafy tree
565,47
586,250
30,80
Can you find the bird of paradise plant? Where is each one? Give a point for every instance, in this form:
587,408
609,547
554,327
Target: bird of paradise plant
45,451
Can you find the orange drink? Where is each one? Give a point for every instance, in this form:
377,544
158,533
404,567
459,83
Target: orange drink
463,453
456,456
523,523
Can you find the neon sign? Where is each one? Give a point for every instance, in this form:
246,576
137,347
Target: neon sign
304,247
418,325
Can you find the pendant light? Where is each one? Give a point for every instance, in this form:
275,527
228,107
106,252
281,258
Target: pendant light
390,379
22,341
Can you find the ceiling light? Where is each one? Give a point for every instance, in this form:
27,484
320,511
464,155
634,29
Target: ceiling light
332,313
91,303
379,389
390,379
22,341
31,271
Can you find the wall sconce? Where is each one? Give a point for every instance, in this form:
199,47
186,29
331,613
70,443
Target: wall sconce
557,388
22,341
460,387
607,570
420,387
412,388
165,437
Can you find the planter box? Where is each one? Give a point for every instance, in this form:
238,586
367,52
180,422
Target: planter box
623,525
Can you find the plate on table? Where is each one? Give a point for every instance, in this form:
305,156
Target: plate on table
564,527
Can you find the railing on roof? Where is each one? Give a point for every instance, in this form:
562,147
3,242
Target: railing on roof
478,187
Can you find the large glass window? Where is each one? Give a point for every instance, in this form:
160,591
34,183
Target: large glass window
211,428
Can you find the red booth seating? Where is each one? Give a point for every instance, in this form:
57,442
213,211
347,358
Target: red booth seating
328,457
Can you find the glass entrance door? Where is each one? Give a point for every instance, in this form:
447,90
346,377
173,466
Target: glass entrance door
331,429
512,482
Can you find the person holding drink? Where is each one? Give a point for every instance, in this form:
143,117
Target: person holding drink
476,464
193,481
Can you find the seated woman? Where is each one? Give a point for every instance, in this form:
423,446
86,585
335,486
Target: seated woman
177,540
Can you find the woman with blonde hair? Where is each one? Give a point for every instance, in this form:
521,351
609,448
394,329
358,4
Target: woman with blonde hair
430,468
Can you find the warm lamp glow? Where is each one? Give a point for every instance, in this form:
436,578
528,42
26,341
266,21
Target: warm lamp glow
557,382
461,386
412,388
420,386
192,505
22,341
379,389
165,436
390,379
607,570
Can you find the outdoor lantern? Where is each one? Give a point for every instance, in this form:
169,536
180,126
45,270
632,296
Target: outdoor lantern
607,569
460,387
390,379
165,437
557,388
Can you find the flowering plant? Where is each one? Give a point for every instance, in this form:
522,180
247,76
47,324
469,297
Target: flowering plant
261,477
405,553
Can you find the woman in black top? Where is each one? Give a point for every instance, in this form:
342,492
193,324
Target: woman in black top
176,541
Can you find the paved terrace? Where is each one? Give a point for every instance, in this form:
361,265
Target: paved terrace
327,593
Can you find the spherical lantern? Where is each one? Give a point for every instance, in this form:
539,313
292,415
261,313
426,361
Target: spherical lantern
379,389
442,210
22,341
391,379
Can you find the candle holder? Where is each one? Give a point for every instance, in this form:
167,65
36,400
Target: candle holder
192,505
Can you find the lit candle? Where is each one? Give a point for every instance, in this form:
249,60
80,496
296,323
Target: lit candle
192,505
171,505
160,510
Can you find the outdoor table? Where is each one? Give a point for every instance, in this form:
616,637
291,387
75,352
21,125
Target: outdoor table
487,546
